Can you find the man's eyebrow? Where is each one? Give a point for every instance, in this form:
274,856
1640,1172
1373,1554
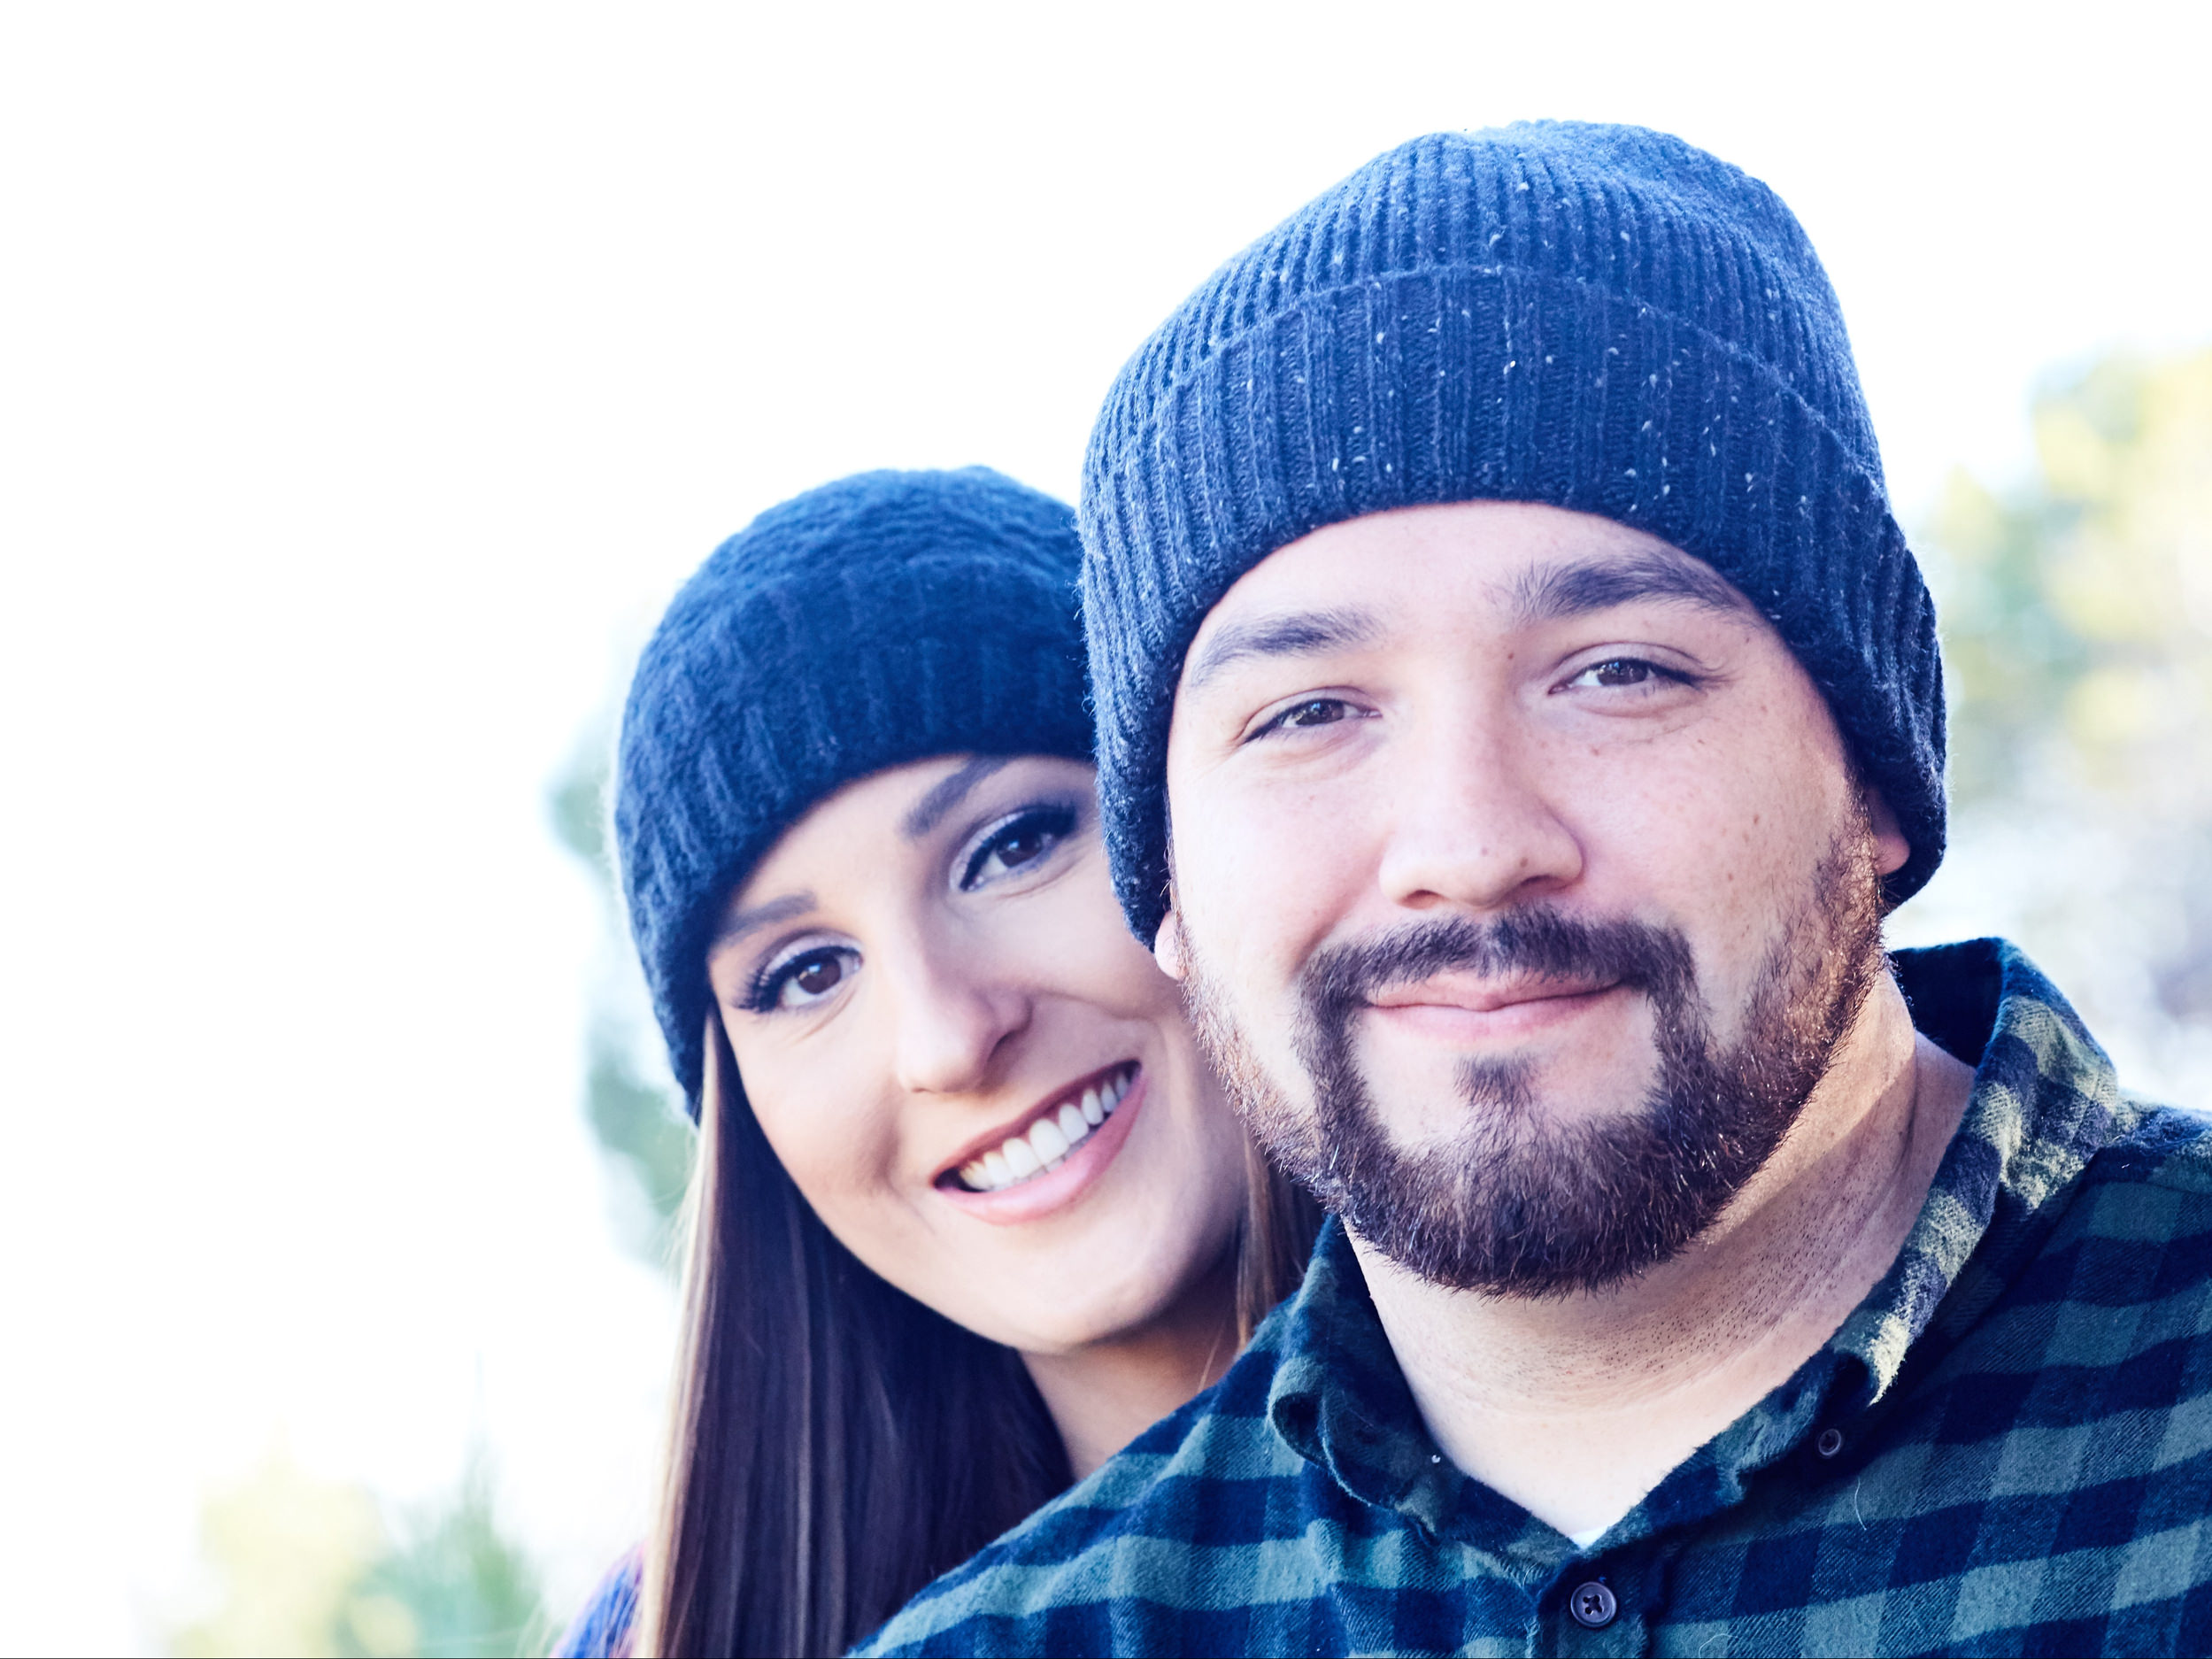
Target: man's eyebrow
739,923
1553,592
929,811
1297,634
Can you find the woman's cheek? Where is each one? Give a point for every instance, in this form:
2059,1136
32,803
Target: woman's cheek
827,1135
1099,961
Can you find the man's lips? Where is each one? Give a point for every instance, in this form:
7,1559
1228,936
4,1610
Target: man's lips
1458,1010
1475,996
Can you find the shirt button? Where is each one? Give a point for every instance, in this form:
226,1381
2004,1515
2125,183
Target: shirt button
1593,1605
1831,1442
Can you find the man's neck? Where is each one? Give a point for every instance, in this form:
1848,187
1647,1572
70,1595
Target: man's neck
1577,1407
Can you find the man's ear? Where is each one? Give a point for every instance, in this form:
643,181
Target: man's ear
1891,847
1167,946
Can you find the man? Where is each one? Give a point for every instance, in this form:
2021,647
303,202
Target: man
1518,709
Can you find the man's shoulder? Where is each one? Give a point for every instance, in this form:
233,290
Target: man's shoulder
1160,1514
2149,1185
2134,1232
2160,1145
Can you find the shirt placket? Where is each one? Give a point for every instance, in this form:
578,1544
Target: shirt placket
1597,1606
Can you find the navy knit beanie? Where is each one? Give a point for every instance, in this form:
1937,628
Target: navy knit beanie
877,620
1598,318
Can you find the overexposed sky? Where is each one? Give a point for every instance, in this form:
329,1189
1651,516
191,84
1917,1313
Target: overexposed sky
369,377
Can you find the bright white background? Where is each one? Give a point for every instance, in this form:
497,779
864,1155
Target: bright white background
368,378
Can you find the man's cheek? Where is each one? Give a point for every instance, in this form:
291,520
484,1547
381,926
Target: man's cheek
1286,882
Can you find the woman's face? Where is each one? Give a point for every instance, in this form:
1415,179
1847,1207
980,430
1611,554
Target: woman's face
982,1083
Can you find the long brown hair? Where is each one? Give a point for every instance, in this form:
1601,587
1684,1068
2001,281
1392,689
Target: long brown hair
836,1444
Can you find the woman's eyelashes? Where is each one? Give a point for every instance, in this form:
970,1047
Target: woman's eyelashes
1020,842
801,978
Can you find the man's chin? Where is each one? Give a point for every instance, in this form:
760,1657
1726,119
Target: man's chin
1493,1108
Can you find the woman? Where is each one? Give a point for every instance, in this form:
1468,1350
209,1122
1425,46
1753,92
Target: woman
969,1209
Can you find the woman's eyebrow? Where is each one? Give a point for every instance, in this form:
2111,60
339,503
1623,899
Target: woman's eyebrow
948,793
738,923
1551,593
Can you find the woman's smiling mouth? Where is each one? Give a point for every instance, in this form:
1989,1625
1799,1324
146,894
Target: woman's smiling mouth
1044,1144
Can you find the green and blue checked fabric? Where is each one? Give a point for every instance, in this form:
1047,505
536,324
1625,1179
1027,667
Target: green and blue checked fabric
2006,1449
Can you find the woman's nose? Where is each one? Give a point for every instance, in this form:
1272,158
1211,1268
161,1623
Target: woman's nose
954,1015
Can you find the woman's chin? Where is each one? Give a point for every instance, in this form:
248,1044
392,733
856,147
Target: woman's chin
1040,1317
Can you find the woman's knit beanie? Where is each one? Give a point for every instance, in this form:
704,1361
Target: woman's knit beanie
1598,318
877,620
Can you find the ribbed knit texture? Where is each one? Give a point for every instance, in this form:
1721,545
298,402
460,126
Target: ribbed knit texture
877,620
1598,318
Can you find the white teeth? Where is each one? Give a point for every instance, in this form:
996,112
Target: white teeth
1051,1145
1049,1139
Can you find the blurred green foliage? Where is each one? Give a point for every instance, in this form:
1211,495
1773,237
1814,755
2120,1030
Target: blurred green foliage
2077,614
309,1567
467,1590
638,1119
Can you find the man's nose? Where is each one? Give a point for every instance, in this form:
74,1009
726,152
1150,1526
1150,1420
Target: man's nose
955,1008
1468,822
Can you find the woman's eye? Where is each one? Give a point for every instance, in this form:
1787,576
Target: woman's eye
1020,842
1020,847
804,979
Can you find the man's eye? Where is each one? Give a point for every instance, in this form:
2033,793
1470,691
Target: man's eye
805,979
1315,711
1619,671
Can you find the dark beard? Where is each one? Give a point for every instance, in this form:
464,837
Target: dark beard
1514,1205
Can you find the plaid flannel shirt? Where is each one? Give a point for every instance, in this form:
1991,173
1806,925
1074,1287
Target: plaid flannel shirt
2006,1448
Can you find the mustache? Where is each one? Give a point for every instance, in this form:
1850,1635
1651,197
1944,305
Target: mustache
1543,942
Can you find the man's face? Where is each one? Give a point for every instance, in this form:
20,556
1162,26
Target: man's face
1522,886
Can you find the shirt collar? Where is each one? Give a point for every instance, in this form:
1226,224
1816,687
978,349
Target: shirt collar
2045,1100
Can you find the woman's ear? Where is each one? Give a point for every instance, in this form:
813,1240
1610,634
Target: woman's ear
1891,847
1167,946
